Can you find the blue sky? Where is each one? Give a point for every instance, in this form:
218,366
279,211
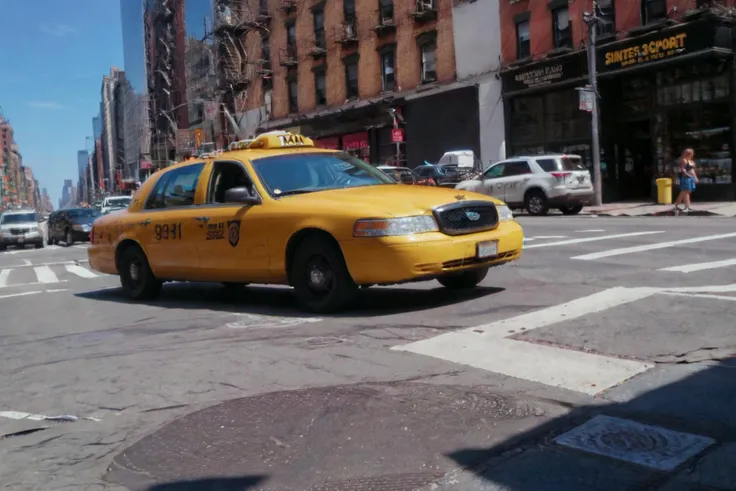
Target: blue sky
52,60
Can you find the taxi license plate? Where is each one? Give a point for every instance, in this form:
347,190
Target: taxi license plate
487,249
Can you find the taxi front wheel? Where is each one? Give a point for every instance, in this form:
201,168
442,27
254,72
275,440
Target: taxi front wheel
136,277
464,280
320,277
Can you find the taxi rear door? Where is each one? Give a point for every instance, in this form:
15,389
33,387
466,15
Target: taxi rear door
168,229
233,244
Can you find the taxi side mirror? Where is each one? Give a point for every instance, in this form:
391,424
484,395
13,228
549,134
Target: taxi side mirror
242,195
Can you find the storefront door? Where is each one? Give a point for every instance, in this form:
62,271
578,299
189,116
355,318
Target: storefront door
635,163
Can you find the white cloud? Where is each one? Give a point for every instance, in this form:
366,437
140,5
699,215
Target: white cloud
54,106
58,29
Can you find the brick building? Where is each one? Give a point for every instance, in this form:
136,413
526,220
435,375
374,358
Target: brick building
666,75
339,70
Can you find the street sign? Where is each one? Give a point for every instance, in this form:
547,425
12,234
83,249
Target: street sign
210,110
198,137
397,135
586,95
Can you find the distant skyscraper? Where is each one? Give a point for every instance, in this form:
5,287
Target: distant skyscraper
134,49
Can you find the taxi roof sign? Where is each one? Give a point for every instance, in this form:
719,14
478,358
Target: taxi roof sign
280,139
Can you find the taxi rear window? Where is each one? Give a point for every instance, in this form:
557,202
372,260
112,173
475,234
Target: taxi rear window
301,173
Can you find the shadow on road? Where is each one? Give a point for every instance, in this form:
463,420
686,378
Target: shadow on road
372,302
212,484
700,401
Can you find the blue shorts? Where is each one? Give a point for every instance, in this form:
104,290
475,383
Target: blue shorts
687,183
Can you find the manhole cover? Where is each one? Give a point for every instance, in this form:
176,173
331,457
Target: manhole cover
250,321
637,443
365,437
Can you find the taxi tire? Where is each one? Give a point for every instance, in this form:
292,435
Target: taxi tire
150,285
571,209
464,280
344,288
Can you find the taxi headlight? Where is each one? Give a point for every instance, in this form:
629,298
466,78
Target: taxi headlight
504,213
386,227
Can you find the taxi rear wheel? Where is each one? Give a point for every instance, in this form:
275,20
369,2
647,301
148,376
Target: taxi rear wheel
136,276
320,277
464,280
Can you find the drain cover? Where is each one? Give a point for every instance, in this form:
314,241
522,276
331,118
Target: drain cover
637,443
250,321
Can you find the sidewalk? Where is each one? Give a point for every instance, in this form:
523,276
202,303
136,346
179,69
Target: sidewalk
715,209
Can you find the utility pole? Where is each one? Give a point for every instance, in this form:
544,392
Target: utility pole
592,20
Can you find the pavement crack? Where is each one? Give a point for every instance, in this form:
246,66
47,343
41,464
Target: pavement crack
706,353
41,443
164,408
29,431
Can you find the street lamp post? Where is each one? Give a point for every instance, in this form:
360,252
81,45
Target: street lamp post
592,20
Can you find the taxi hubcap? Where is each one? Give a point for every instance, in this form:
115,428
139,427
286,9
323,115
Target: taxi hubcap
134,272
319,274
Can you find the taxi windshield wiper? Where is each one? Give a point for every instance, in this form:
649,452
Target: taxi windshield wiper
296,191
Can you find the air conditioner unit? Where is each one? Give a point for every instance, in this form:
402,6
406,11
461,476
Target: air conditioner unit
423,5
349,31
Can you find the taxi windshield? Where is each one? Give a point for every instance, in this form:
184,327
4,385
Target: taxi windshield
301,173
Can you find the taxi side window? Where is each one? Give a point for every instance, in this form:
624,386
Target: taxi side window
227,175
176,188
494,172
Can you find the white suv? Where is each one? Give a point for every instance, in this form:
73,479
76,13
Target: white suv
537,183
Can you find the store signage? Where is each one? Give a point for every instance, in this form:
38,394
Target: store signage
355,141
667,44
543,74
656,49
397,135
332,143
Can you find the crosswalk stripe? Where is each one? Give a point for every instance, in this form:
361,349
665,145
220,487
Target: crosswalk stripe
45,275
4,273
80,271
650,247
592,239
689,268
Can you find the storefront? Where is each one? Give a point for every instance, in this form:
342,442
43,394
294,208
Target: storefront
432,124
661,92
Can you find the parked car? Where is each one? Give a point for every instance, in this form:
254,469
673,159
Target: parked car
405,175
446,176
112,203
20,227
71,225
537,183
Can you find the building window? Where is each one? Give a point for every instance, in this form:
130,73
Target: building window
386,11
263,6
320,87
429,72
607,18
293,96
388,76
562,35
291,35
523,46
351,78
653,10
319,28
265,48
348,9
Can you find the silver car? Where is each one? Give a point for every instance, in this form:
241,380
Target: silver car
19,228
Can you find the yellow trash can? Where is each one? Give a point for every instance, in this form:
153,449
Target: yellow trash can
664,191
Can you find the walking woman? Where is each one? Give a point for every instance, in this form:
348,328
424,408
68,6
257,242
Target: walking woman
688,179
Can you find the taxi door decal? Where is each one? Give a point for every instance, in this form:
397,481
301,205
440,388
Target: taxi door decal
233,232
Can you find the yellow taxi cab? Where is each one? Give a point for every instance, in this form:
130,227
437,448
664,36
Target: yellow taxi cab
277,210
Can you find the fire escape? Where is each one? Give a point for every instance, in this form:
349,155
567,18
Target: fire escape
161,68
232,23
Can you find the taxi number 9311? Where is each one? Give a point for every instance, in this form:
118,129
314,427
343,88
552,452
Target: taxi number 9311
168,231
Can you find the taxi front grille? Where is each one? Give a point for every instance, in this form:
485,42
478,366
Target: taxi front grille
459,263
466,217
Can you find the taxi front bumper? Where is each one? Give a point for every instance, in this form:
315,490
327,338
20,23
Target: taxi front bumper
391,260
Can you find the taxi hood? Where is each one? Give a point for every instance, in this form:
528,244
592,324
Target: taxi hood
390,199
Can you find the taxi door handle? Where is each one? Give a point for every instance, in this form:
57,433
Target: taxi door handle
146,222
202,219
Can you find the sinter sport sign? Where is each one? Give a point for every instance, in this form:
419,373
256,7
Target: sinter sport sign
651,51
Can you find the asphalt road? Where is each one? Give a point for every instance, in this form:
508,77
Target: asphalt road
624,317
